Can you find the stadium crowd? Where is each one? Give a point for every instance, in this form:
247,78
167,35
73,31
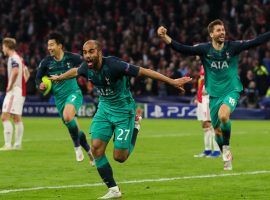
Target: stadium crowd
127,29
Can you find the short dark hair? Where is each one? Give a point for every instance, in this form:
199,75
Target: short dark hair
96,42
58,37
214,23
10,43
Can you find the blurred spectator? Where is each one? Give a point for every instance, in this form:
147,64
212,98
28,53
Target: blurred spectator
266,60
127,29
3,79
262,78
251,98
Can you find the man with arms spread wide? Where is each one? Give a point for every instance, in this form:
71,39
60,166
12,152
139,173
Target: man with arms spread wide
116,109
220,60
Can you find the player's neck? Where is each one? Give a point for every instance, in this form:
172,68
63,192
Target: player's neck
217,46
99,65
59,56
10,53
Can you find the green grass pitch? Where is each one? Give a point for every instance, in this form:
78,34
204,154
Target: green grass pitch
162,165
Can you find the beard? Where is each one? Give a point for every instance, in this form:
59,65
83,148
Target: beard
92,62
220,39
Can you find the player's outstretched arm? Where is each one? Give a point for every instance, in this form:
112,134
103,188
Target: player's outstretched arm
67,75
181,48
247,44
177,83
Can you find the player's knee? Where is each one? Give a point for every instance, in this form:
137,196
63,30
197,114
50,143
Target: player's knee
206,124
96,151
17,119
218,131
120,157
223,118
4,117
67,118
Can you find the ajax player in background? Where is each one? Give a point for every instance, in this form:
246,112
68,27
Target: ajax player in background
220,61
67,94
211,148
18,75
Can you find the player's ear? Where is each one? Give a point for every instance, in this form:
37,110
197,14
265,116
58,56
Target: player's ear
100,53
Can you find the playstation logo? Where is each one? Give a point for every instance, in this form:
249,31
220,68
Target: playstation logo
157,112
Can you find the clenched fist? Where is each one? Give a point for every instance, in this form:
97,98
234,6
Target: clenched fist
162,31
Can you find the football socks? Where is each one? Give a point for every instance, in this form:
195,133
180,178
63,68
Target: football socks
8,131
226,130
83,141
105,171
18,133
207,138
219,140
74,132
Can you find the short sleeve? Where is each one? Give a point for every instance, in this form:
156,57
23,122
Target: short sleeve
14,63
77,59
123,68
83,69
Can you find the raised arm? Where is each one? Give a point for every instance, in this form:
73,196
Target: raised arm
181,48
162,33
247,44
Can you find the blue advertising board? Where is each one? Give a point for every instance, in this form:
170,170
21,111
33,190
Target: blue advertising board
177,111
50,110
147,110
187,111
